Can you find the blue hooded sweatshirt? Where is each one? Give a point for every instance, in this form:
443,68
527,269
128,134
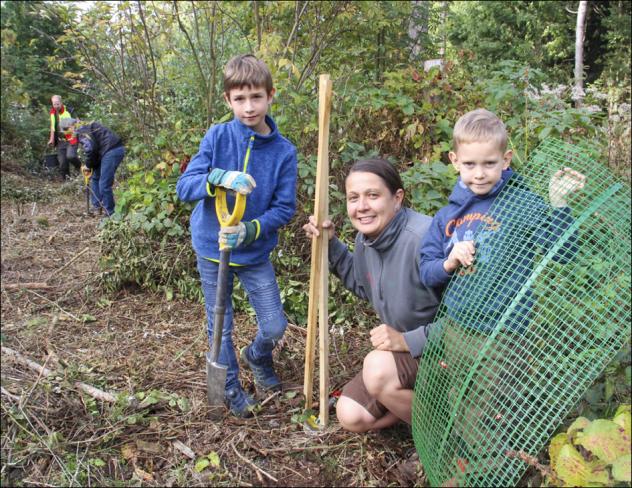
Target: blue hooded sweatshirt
272,163
506,244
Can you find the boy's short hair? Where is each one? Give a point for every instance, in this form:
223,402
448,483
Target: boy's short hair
479,125
246,70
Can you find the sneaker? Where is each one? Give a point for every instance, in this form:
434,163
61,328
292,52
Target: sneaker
263,370
239,403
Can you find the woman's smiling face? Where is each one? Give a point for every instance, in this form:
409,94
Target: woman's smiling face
370,204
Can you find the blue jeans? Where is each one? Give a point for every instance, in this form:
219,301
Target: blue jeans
103,178
263,294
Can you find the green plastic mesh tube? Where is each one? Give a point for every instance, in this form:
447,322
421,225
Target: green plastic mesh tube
521,335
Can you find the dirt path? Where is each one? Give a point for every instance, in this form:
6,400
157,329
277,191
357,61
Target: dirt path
149,351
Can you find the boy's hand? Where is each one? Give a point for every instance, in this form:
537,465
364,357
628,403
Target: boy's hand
232,180
238,235
462,254
564,182
311,229
385,338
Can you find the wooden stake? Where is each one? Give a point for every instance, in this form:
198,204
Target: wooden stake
318,278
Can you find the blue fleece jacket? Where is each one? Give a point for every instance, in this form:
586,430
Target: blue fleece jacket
272,163
506,244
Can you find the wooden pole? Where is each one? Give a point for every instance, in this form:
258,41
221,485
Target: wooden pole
317,309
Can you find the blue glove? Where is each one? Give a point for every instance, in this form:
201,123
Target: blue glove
232,180
239,235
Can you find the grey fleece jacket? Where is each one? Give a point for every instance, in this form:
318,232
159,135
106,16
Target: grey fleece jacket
385,272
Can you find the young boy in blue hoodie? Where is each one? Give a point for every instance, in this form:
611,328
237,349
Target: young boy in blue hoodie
482,160
247,155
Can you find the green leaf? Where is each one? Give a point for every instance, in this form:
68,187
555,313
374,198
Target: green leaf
183,404
580,423
604,439
555,447
571,467
214,459
97,462
201,464
622,419
85,318
621,469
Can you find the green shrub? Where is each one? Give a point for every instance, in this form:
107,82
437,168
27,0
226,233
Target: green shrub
147,240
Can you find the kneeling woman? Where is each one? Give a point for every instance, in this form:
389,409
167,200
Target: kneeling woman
383,269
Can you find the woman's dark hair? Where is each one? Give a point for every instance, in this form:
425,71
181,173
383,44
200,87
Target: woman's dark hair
381,168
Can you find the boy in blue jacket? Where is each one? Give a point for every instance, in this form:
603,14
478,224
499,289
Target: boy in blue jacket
482,160
247,155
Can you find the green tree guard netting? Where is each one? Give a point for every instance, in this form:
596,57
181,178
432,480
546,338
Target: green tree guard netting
522,333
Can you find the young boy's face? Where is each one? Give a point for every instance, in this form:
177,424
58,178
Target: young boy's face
480,164
250,106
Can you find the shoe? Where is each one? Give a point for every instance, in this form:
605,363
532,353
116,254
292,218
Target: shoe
240,404
263,370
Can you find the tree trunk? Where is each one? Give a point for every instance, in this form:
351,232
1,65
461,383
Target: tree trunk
418,29
444,30
580,34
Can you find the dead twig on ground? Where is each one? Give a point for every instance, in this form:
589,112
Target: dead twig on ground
90,390
250,463
27,286
77,256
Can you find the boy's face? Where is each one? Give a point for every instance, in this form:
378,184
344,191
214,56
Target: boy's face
250,106
480,164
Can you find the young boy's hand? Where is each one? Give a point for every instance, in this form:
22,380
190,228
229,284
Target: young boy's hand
238,235
232,180
462,254
564,182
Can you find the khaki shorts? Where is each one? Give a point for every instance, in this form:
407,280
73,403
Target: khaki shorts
406,373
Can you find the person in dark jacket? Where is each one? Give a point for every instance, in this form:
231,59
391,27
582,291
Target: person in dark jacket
382,269
104,152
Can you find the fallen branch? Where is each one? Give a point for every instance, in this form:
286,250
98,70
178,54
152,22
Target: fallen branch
184,449
250,463
29,286
10,395
90,390
77,256
57,305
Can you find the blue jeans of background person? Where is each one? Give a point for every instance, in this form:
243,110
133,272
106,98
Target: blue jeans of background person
103,178
263,294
